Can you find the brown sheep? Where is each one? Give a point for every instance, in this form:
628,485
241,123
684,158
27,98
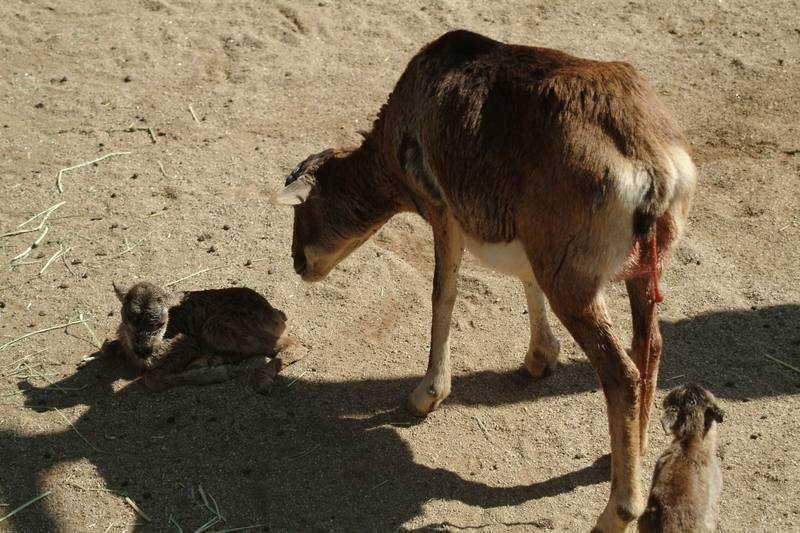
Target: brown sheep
564,172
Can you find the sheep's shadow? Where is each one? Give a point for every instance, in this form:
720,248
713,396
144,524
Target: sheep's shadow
297,461
300,461
728,352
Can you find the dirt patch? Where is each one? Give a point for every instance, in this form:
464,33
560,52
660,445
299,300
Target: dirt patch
267,85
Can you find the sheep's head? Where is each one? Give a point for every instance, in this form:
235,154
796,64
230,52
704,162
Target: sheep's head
145,310
335,211
690,409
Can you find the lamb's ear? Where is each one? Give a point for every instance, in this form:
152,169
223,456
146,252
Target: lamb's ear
296,192
120,290
714,412
668,419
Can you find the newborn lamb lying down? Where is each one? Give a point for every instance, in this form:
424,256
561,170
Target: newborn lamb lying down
201,337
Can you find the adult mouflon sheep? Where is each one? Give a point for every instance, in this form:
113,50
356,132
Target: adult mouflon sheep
564,172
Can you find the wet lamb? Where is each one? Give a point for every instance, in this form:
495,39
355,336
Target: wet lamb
201,337
687,480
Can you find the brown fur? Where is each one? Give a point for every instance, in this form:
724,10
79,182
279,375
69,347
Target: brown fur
568,163
197,337
687,481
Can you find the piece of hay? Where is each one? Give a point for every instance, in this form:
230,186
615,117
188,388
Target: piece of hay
136,508
87,163
47,212
45,330
25,505
203,271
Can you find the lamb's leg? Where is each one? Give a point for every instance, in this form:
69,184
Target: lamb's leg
590,326
160,379
645,347
180,361
435,386
542,355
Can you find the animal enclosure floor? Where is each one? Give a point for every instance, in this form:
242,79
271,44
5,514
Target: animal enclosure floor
206,106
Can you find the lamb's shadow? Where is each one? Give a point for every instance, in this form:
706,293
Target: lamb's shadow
314,456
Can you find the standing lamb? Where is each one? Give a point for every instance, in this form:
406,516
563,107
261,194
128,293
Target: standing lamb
198,337
564,172
687,480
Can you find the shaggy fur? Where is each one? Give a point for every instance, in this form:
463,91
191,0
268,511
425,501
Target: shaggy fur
555,169
195,337
687,482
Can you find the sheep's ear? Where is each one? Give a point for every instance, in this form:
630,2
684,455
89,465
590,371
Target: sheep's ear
296,192
715,413
668,419
120,290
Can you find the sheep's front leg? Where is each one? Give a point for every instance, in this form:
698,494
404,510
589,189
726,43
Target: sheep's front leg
543,349
449,247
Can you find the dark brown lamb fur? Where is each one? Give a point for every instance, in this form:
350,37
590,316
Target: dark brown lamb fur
558,169
197,337
687,481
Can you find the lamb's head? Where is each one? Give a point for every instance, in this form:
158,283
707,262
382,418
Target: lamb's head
336,209
145,310
690,409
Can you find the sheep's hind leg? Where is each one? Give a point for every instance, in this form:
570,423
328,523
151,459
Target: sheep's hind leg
645,347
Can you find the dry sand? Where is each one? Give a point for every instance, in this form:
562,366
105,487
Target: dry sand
330,450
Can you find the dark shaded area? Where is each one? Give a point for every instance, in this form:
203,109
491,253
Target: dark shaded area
727,352
302,459
297,461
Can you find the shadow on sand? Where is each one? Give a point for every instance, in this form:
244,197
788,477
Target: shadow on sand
299,461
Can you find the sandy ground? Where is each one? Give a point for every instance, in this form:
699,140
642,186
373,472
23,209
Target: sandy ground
331,450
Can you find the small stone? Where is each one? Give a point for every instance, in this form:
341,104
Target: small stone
211,250
127,79
39,105
113,195
42,313
226,227
64,285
